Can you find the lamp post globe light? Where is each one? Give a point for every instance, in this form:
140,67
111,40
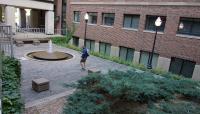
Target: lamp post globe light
158,23
181,26
86,17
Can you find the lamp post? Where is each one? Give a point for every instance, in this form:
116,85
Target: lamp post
158,23
86,17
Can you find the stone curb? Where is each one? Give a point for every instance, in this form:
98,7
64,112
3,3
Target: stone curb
48,99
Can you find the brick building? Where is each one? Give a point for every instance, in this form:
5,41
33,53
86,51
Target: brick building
60,16
125,28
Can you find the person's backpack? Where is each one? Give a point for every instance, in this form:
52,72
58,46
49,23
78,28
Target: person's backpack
88,52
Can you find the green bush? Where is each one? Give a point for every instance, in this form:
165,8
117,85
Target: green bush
12,103
101,93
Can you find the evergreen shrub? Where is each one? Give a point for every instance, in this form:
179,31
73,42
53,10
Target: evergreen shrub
101,93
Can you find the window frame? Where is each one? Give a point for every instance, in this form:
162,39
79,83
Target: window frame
73,40
90,42
192,21
132,17
159,29
89,13
154,55
127,50
105,49
181,67
79,18
103,19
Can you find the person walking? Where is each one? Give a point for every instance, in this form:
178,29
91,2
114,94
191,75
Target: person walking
85,54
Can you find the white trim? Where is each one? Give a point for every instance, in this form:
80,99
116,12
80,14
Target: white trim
28,4
153,32
188,36
139,3
91,24
130,29
76,22
107,26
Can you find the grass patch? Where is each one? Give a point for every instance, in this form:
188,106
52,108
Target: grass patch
63,41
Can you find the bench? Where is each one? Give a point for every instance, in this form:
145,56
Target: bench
40,84
94,70
36,42
19,43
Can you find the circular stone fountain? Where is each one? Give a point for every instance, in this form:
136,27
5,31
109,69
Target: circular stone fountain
49,55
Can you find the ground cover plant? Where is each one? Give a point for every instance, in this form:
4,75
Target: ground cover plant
132,92
64,41
11,73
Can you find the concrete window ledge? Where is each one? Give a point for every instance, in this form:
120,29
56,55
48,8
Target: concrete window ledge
153,32
106,26
187,36
76,22
92,24
130,29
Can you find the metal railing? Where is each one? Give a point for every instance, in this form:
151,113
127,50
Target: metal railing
30,30
6,40
21,33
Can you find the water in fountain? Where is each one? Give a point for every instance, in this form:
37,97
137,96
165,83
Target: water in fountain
50,47
50,54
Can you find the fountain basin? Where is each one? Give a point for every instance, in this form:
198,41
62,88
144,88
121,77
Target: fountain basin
54,56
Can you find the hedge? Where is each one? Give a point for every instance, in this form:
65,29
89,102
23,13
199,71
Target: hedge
12,102
133,93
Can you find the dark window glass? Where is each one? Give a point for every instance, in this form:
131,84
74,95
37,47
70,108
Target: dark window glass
182,67
126,54
90,44
76,41
191,26
104,48
144,56
76,16
150,23
131,21
92,18
108,19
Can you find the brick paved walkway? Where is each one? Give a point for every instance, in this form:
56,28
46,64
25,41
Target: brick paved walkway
59,72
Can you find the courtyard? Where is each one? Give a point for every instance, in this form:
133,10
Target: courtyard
58,73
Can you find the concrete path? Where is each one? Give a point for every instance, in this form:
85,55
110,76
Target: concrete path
58,72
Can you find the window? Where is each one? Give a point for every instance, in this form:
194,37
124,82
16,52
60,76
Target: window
77,16
90,44
191,26
182,67
92,18
150,23
75,41
104,48
126,54
131,21
144,56
108,19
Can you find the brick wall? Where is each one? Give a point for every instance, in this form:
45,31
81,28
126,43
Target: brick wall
168,44
58,12
135,0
